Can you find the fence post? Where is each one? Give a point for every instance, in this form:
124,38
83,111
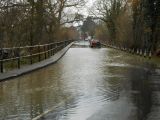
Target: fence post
145,53
1,58
19,61
1,65
64,44
39,55
31,62
48,48
150,54
45,52
51,49
55,48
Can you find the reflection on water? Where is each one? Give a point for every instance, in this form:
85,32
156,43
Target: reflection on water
86,84
141,91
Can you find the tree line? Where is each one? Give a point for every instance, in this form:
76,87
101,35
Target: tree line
30,22
132,24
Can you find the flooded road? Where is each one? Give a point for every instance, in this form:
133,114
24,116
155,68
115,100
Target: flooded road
86,84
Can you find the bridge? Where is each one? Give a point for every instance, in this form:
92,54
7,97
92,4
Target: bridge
85,84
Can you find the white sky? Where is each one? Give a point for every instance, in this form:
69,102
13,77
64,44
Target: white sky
88,5
83,11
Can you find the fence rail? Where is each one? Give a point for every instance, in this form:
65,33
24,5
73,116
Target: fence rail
15,57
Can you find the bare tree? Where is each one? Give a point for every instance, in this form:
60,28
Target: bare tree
34,21
108,11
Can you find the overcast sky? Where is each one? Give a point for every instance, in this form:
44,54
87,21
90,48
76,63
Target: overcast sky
83,11
88,5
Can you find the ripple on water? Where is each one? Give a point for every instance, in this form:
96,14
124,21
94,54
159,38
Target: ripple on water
86,84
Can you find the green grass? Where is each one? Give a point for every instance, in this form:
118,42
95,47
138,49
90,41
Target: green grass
133,58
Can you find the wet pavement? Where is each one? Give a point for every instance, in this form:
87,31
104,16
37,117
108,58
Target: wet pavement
86,84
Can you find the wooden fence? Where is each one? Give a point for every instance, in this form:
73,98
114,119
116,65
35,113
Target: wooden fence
11,58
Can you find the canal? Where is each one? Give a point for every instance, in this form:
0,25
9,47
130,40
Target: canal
86,84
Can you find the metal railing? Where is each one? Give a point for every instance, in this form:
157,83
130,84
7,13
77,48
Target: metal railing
15,57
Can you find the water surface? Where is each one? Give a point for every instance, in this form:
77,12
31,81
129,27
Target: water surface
86,84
